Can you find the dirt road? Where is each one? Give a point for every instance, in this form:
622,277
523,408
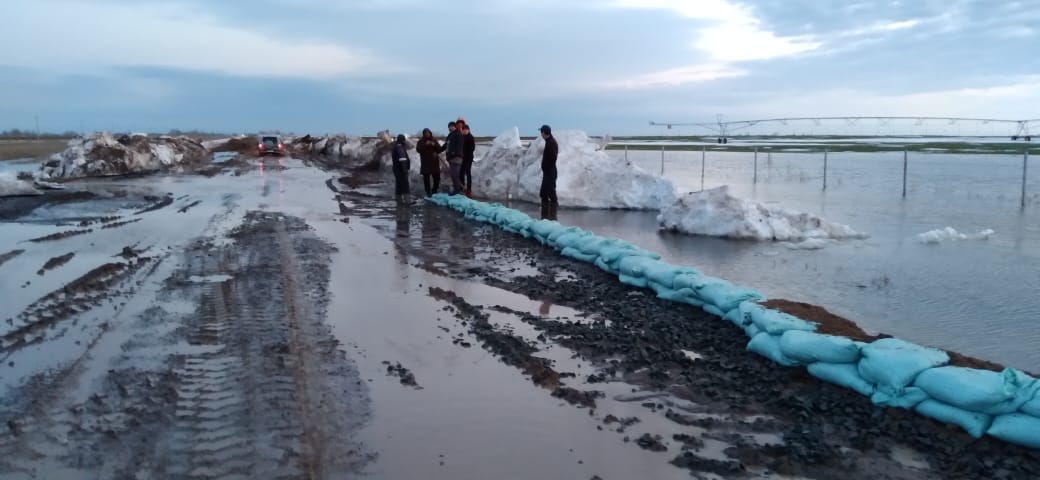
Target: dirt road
274,323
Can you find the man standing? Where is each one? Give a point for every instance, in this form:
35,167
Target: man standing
468,148
548,191
454,147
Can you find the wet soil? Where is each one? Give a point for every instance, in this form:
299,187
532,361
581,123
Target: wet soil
631,336
4,258
56,262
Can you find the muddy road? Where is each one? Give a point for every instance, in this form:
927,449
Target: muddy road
269,321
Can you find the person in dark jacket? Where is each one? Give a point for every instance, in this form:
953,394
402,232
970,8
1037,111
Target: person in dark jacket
453,147
548,191
429,162
400,166
468,148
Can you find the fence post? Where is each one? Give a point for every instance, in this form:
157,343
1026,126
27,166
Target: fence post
754,178
1025,166
825,169
626,152
703,152
661,160
904,172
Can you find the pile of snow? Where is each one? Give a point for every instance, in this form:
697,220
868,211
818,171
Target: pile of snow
343,150
949,234
588,177
716,213
10,186
100,154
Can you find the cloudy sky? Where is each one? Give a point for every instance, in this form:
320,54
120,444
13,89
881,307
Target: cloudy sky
604,66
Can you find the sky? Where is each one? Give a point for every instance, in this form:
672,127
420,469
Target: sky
602,66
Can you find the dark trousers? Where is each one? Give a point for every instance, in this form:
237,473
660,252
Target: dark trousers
456,183
436,180
466,174
548,195
401,186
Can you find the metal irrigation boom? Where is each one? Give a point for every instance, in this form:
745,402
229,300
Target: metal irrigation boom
723,129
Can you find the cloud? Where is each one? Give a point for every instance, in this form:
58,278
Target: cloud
168,36
677,76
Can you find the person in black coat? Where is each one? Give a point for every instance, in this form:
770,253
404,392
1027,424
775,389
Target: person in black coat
469,146
548,190
429,161
400,166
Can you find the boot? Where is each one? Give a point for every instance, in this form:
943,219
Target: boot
545,211
552,211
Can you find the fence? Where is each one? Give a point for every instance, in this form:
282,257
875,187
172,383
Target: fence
824,157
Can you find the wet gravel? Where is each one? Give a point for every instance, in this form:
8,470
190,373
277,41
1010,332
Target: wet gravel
827,431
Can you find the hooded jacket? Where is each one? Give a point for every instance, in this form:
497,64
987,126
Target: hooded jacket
428,148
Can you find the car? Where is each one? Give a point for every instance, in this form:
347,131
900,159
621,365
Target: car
270,145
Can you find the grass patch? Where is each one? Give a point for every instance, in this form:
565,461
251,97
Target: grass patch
15,149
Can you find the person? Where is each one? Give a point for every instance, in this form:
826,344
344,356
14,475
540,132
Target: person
468,148
453,147
429,162
401,164
548,191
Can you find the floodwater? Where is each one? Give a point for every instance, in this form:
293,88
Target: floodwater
973,296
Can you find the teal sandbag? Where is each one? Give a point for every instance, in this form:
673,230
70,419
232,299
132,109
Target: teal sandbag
569,238
712,309
551,240
576,254
1017,428
693,280
543,228
811,347
905,398
727,296
439,199
892,364
634,266
777,322
632,280
751,330
612,254
978,390
591,245
733,316
682,295
841,374
1032,407
768,346
605,266
974,423
664,273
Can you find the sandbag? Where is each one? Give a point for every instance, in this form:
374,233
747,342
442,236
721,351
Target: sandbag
635,266
606,267
841,374
664,273
1032,407
712,309
614,253
768,346
751,330
569,238
1017,428
682,295
893,364
593,244
633,281
543,228
777,322
906,398
692,280
576,254
978,390
974,423
811,347
553,236
727,296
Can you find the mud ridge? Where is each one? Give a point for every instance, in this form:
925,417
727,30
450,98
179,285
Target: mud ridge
61,235
55,263
4,258
188,206
159,204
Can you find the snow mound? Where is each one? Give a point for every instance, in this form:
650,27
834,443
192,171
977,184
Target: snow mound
941,235
101,154
343,150
716,213
587,176
10,186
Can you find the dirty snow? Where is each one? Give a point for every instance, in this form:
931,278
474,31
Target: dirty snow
716,213
947,234
588,177
11,186
101,154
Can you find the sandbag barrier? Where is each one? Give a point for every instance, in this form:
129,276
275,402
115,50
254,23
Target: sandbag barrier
892,372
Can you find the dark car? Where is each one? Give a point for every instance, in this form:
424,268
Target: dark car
270,145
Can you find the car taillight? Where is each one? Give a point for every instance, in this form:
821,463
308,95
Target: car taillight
280,146
260,146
